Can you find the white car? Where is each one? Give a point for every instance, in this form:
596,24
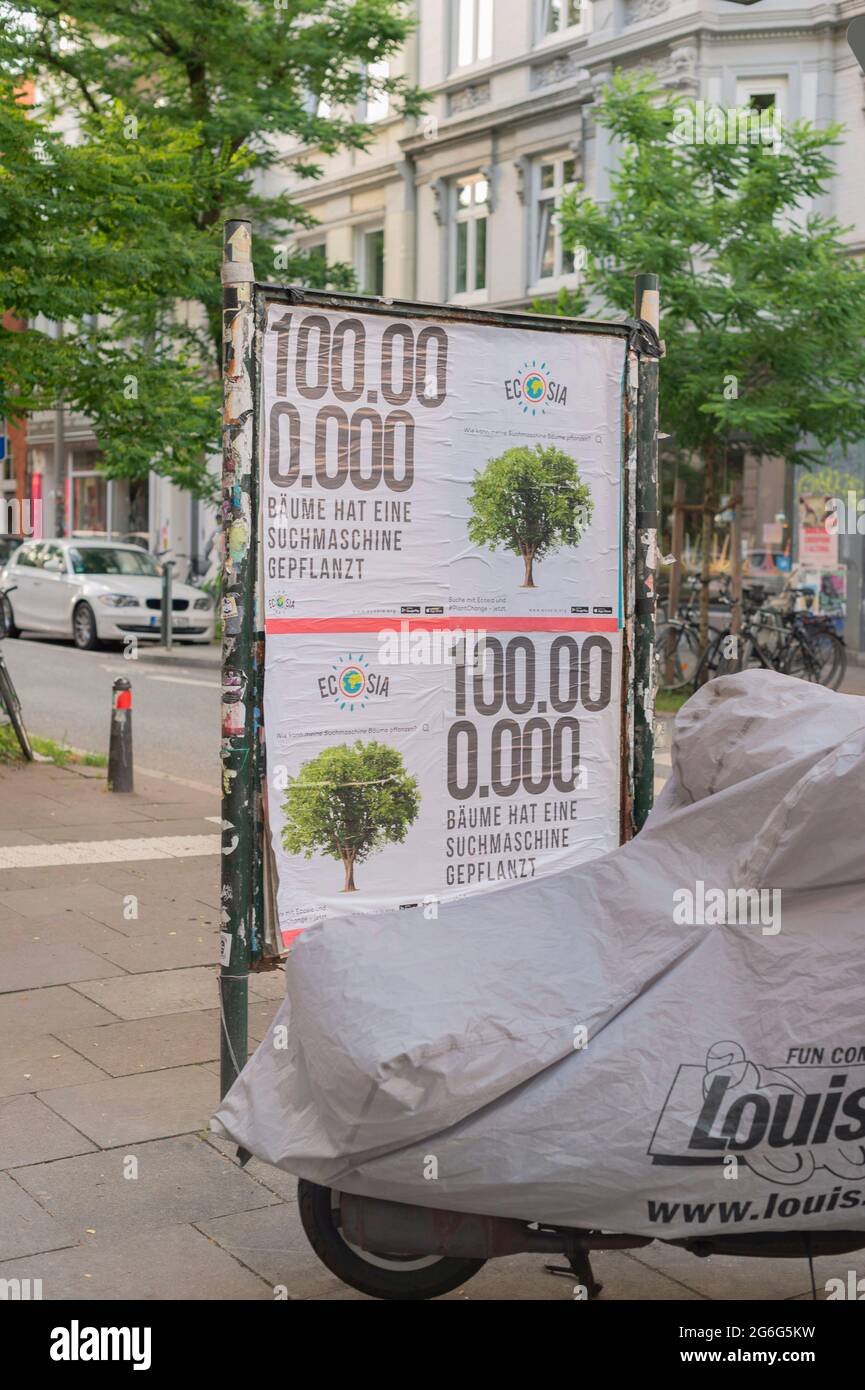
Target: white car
97,591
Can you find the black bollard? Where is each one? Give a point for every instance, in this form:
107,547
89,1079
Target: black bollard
120,744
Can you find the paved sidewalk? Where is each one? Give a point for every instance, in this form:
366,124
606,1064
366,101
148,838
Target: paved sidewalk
202,656
110,1185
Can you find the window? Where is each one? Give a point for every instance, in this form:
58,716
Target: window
370,260
761,101
554,177
762,93
316,105
469,244
28,557
555,16
88,495
316,270
54,559
96,560
473,31
376,103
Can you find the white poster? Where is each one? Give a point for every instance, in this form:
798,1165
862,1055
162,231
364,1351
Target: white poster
422,468
441,549
411,766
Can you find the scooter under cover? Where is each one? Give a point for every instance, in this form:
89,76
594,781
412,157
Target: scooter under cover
667,1041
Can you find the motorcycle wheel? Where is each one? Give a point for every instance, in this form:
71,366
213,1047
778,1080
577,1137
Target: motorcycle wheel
400,1277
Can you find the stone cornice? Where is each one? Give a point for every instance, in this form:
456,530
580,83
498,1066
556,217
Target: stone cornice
534,106
319,190
631,41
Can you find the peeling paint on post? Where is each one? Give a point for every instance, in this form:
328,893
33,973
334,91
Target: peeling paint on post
646,306
238,605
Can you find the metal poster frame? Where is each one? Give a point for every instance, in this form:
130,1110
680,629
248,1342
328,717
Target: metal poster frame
248,939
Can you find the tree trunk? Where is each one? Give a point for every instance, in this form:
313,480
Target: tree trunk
709,505
349,885
528,579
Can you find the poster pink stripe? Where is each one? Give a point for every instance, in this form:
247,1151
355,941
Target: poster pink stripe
276,626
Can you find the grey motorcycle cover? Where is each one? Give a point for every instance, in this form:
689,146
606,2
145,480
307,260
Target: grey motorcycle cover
668,1041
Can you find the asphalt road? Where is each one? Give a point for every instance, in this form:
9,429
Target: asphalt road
66,695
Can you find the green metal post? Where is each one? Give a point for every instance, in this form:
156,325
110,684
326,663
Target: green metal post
238,604
646,306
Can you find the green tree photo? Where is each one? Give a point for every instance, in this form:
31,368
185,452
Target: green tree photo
762,303
530,501
205,106
347,803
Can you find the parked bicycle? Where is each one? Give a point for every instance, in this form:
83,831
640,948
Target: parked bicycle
775,635
10,705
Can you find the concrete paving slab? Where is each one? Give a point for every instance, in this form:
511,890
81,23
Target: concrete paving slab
727,1276
177,1262
149,1044
271,1242
268,984
86,810
110,829
40,1063
172,809
162,992
66,926
33,964
274,1179
17,837
142,1187
48,896
131,1109
261,1015
31,1132
172,948
37,1011
25,1227
140,913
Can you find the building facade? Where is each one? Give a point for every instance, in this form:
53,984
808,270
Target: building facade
63,458
460,205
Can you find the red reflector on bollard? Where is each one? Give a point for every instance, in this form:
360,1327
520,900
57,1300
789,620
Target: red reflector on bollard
123,699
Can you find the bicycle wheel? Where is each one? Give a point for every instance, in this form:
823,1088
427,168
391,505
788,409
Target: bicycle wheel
677,655
9,698
830,656
799,660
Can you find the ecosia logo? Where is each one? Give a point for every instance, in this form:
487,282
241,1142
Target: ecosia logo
535,389
784,1123
351,683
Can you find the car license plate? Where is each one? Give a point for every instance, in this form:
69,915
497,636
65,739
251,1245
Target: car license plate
154,621
180,621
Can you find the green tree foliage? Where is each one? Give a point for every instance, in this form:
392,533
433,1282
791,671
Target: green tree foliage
180,113
347,803
529,501
762,303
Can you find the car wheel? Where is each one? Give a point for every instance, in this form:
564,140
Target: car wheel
380,1276
84,632
9,628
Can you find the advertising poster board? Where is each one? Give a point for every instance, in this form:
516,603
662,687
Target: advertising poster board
442,590
818,543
